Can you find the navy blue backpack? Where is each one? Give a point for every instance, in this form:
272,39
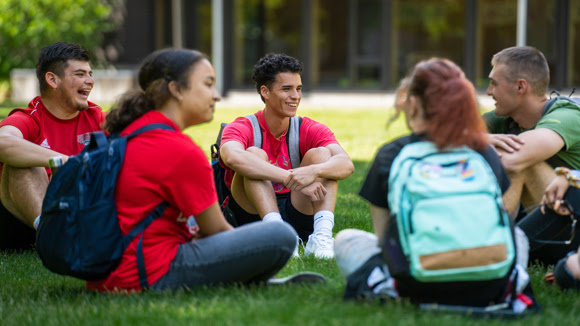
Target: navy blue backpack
79,233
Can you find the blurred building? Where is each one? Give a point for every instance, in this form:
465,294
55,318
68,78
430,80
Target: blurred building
355,45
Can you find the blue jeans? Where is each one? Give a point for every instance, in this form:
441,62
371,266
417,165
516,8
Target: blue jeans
248,254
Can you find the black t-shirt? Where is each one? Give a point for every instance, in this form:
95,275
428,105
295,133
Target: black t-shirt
376,185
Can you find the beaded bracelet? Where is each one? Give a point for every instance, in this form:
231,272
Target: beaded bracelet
573,176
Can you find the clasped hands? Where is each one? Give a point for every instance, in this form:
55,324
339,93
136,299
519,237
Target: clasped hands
304,180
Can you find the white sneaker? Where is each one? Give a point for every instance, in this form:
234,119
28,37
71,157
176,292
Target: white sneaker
296,253
320,245
353,248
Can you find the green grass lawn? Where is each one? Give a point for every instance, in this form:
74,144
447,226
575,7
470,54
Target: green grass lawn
31,295
4,112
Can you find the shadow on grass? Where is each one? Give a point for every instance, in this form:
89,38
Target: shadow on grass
352,211
353,183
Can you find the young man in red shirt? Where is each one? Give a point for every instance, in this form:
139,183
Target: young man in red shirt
56,123
264,186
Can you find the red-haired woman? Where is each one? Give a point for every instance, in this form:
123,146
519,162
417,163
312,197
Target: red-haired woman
440,106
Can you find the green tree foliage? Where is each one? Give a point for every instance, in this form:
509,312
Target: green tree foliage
27,26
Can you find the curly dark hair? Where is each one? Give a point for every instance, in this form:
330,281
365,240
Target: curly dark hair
270,65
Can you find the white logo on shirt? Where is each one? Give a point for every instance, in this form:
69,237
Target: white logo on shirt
45,143
181,218
84,139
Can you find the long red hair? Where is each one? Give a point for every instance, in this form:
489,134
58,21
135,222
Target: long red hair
449,104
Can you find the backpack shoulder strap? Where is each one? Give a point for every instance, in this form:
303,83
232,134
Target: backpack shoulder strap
292,138
150,127
138,230
293,141
551,101
256,130
98,139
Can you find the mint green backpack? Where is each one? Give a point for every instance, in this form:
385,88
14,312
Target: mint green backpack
449,215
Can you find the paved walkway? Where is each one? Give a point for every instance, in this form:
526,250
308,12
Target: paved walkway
110,84
335,100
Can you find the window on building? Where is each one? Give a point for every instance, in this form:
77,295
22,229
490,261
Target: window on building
496,30
426,28
574,52
541,31
329,48
197,29
262,27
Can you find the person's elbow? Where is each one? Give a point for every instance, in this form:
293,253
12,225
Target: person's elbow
233,160
514,163
349,169
5,144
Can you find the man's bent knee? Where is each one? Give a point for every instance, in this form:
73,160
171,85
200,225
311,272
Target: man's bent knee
258,152
536,178
22,191
316,155
528,186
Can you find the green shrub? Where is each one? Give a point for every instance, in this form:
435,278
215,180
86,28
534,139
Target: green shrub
27,26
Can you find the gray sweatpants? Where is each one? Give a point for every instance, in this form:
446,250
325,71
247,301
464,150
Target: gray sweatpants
248,254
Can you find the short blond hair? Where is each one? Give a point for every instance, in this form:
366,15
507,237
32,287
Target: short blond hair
525,62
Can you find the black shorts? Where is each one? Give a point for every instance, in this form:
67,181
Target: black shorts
13,233
302,223
554,227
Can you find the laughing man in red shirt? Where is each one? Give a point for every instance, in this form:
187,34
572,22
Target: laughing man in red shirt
56,123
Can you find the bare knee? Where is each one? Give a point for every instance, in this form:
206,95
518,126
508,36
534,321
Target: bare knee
573,263
316,155
535,180
258,152
22,190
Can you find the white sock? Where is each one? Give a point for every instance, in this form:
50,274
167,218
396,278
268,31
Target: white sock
522,247
36,222
272,217
323,222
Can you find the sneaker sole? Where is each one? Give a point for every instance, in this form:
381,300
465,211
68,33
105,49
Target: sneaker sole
300,279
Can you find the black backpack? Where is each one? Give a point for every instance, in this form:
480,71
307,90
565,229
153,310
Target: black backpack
552,100
79,233
514,128
292,141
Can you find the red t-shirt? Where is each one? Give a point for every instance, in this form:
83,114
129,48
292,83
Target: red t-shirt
312,134
159,165
41,127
